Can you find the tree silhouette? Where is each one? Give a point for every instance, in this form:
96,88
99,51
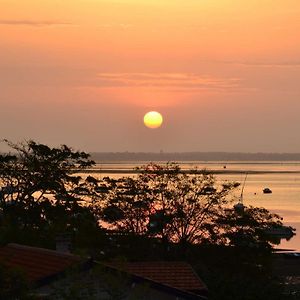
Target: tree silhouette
180,207
40,192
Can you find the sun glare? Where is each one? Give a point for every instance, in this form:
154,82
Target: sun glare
153,119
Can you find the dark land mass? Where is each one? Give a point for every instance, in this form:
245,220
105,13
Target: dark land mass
210,171
194,156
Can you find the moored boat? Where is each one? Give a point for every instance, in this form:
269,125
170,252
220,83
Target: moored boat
267,191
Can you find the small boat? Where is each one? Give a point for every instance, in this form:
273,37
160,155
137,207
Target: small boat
283,232
292,255
267,191
239,208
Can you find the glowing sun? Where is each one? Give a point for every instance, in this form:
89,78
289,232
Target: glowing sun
153,119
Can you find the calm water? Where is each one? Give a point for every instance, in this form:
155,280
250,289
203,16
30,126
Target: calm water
285,199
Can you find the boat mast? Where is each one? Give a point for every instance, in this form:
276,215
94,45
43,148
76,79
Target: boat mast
242,192
239,207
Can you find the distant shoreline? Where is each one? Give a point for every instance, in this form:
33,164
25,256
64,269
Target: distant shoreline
193,156
134,171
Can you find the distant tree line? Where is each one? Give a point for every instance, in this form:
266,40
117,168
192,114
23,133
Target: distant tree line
194,156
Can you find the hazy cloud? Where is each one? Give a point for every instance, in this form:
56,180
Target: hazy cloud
265,63
33,23
44,76
166,80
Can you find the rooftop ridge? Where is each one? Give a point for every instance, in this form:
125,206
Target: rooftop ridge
43,250
158,283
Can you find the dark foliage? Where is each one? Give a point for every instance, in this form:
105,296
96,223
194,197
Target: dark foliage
161,214
165,203
41,195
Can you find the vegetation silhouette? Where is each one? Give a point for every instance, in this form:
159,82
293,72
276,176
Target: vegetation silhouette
161,213
164,203
40,196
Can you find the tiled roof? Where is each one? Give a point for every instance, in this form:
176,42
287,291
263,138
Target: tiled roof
179,275
37,263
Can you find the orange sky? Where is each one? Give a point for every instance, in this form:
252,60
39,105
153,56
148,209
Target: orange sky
224,73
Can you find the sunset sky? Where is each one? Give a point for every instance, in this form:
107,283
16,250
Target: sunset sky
225,74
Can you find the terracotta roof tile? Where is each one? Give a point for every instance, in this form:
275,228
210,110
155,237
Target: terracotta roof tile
37,263
179,275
